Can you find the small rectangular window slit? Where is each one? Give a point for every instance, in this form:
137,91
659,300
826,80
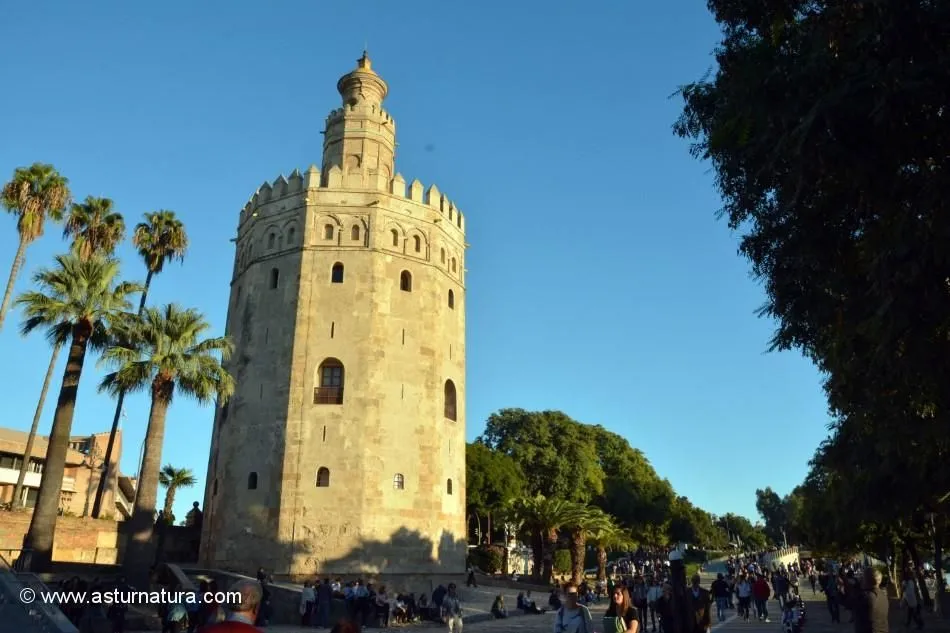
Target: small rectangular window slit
332,328
266,334
402,391
450,351
324,432
261,396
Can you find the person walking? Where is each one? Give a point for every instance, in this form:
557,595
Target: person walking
911,600
573,617
870,604
698,608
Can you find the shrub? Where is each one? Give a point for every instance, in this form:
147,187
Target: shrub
562,561
488,558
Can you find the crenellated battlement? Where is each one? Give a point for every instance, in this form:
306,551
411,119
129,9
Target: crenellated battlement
339,113
335,179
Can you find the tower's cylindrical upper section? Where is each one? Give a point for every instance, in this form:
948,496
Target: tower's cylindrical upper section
363,85
360,137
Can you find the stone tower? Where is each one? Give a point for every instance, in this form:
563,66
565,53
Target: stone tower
343,448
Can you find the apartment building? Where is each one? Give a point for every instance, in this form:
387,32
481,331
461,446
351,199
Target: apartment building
84,467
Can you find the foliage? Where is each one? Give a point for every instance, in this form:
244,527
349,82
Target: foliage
34,195
562,561
825,124
75,300
94,227
488,558
557,458
492,478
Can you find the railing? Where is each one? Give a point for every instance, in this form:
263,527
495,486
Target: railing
20,562
21,608
328,395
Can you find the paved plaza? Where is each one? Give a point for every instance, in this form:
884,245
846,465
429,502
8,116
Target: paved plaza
476,602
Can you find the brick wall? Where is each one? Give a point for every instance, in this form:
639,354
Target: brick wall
91,540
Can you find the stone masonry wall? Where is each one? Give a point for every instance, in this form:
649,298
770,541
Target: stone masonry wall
90,540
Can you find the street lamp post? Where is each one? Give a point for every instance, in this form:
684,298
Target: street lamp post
678,582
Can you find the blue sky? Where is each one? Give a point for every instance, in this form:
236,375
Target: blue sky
600,282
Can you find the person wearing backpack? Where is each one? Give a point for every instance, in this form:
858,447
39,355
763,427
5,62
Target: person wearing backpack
572,617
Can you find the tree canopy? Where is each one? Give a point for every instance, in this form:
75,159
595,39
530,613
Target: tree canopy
546,454
826,127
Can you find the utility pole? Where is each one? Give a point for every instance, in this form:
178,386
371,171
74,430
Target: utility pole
678,581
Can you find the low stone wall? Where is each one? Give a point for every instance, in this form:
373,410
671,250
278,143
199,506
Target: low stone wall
98,541
772,560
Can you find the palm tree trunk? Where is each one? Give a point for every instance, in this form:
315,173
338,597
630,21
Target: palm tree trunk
578,554
28,454
170,501
39,538
548,549
11,281
139,556
107,473
601,564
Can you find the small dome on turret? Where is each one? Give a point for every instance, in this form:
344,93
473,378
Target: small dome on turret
362,85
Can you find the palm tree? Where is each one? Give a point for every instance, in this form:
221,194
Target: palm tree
35,194
607,538
162,350
159,240
586,521
96,230
172,479
543,518
94,227
77,301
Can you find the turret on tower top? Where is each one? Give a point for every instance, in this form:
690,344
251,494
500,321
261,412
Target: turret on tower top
363,85
360,137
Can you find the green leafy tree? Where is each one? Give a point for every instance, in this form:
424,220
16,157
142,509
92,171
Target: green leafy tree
34,195
632,491
160,239
556,454
76,300
491,480
163,351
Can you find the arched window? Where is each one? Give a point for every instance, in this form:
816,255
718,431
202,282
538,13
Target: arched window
274,277
453,265
450,400
331,379
290,236
417,243
395,235
399,482
252,481
355,233
442,255
328,231
323,477
270,240
448,486
451,299
336,273
405,281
